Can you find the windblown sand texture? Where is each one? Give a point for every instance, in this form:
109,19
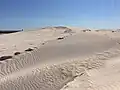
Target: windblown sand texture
63,58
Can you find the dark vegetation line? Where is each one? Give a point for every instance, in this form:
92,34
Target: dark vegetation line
9,31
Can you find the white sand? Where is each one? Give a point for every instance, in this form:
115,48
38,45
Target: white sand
81,61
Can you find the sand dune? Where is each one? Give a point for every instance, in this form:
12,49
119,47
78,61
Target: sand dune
79,61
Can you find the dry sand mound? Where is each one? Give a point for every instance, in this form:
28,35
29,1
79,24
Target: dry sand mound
55,64
48,78
51,77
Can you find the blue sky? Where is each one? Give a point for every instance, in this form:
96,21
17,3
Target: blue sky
40,13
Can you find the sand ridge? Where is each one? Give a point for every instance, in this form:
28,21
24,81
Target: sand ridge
40,76
58,62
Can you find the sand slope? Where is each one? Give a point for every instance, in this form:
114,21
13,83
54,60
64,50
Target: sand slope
106,78
72,63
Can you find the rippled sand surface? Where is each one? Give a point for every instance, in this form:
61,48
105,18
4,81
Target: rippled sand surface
81,60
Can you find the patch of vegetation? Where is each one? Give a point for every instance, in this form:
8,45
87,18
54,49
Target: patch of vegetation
60,38
2,58
29,49
16,53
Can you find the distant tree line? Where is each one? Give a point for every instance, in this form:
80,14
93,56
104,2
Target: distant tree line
9,31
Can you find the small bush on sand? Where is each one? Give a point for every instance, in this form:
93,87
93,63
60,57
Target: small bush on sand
60,38
16,53
68,31
84,30
5,57
97,30
29,49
